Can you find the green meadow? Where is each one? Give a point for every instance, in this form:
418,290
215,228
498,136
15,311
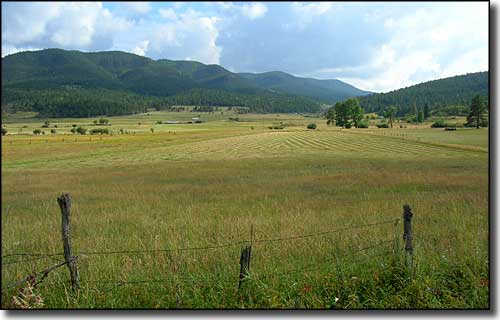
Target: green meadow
162,187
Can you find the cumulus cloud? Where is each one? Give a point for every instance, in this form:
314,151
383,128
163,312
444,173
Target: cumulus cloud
185,35
254,10
70,25
142,48
430,43
136,7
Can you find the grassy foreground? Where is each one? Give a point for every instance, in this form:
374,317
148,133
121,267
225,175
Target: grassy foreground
198,185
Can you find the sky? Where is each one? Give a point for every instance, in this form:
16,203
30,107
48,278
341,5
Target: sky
375,46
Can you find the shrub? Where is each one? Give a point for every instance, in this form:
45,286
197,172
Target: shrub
52,131
103,121
450,129
439,124
382,125
81,130
73,125
73,130
348,125
362,124
98,131
4,131
37,132
152,130
311,126
158,122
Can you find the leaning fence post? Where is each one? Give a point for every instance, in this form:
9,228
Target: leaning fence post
245,257
64,202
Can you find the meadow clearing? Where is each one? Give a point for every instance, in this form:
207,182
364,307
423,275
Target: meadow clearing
210,183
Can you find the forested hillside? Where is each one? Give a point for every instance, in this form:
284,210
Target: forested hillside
60,83
437,94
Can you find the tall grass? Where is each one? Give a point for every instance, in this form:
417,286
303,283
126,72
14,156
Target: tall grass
161,191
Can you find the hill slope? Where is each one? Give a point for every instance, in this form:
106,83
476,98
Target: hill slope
457,90
329,91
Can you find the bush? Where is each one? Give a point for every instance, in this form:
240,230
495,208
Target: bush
439,124
81,130
98,131
362,124
152,130
276,127
382,125
348,125
4,131
52,131
37,132
158,122
311,126
103,121
73,130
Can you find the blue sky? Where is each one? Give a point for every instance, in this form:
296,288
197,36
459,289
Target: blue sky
377,46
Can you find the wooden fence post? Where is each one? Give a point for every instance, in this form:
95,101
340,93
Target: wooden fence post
245,257
407,235
64,202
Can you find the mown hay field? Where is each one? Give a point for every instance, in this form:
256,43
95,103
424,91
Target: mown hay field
208,184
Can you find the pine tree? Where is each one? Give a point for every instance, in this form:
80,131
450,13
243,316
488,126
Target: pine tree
477,114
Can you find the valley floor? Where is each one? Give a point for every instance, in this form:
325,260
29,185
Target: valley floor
209,184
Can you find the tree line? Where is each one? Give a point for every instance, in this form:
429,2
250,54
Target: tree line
87,102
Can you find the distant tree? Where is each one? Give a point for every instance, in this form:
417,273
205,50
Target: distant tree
357,112
81,130
4,131
420,116
477,114
342,114
426,111
390,113
348,112
330,116
37,132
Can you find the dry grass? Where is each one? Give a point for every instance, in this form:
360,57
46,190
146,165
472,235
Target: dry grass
207,186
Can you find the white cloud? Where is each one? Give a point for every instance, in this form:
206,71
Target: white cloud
71,25
428,44
168,13
142,48
136,7
254,10
307,12
185,35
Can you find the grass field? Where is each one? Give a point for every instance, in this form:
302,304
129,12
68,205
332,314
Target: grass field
198,185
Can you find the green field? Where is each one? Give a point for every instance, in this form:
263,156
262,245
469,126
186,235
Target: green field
207,184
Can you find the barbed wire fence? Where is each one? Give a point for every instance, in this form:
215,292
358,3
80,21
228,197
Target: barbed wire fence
67,258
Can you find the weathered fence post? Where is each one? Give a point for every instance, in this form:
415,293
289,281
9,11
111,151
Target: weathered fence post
407,235
64,202
245,257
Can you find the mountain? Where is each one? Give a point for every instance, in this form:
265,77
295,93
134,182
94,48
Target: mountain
329,91
437,94
40,77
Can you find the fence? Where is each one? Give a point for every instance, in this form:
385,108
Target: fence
70,259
